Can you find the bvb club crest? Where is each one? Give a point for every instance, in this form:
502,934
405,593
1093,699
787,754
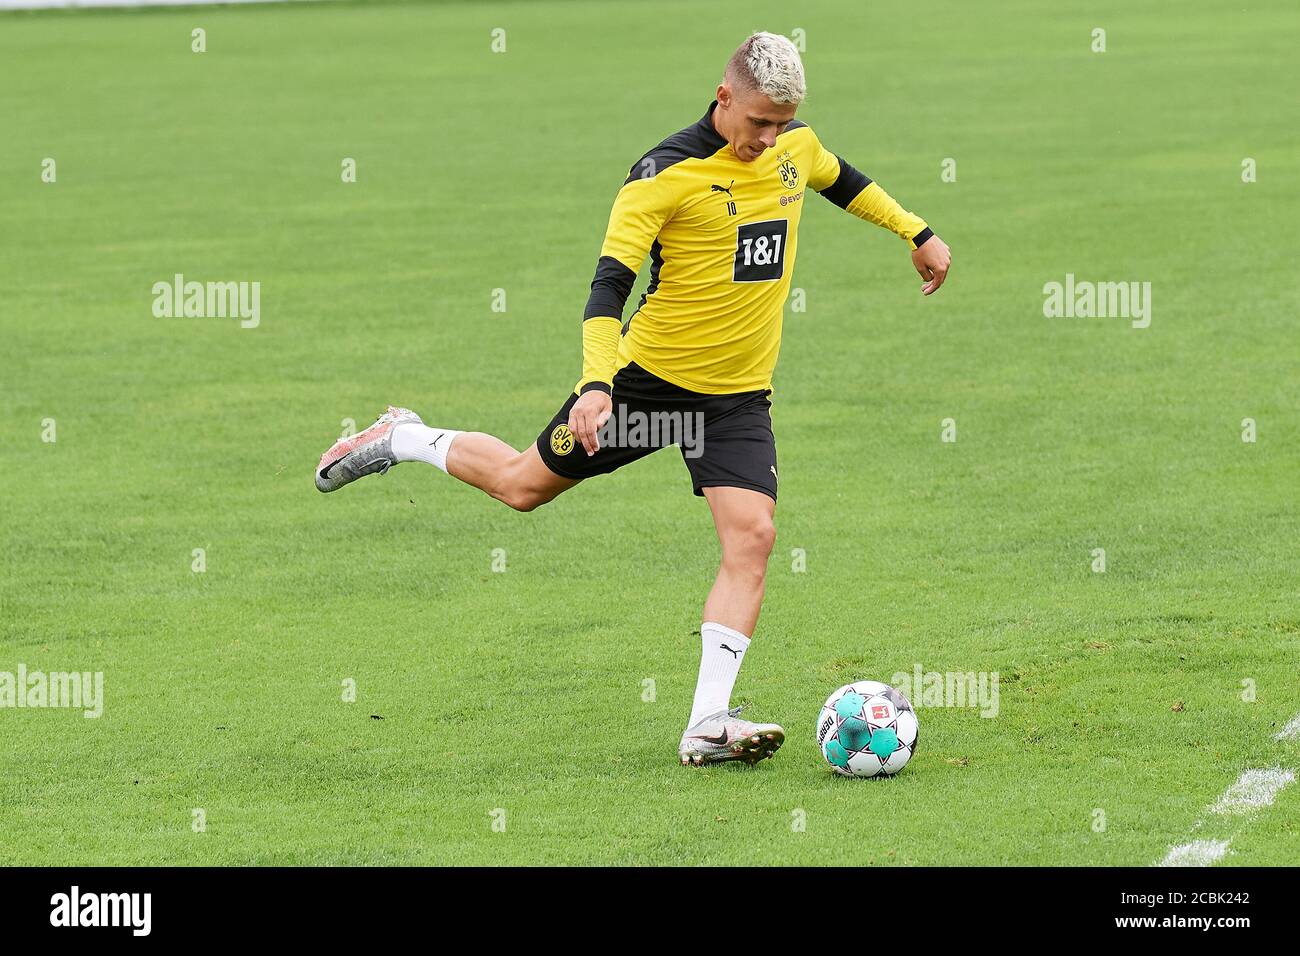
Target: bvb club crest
561,440
789,174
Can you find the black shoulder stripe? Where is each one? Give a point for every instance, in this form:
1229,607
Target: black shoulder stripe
794,124
698,141
847,185
610,289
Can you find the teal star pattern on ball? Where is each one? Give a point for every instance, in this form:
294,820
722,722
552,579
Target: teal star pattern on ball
883,742
855,734
850,705
836,754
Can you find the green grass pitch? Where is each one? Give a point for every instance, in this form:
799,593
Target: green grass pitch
1129,700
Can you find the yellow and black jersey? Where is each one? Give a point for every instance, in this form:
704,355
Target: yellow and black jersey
722,236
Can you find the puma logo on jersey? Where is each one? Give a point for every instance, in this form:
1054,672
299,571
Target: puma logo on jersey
723,189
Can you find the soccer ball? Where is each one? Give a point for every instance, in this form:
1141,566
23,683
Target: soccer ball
867,729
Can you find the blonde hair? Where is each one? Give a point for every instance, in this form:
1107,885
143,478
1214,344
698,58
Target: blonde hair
769,63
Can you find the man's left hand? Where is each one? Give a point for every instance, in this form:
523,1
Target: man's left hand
931,262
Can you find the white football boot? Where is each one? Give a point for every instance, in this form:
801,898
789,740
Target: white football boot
724,736
366,453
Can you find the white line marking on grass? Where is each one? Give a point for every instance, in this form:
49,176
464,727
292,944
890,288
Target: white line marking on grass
1196,853
1254,790
1290,731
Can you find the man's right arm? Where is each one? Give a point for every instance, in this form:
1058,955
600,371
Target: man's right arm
641,208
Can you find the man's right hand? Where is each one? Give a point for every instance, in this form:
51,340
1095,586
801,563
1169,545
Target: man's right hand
588,415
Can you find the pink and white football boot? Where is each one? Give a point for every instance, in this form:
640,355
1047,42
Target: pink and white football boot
366,453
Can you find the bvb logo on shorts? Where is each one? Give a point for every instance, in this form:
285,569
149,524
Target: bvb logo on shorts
789,174
561,440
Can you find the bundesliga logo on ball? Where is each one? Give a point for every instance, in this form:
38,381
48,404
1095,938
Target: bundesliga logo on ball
867,729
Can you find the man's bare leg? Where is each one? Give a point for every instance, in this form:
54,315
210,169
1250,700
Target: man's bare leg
518,478
743,519
523,481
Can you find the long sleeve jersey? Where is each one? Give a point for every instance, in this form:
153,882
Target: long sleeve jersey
722,236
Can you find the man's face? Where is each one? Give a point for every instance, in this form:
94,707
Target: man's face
750,121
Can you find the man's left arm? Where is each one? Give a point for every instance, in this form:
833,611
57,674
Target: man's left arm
854,192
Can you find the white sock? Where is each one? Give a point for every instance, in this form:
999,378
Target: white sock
720,659
415,442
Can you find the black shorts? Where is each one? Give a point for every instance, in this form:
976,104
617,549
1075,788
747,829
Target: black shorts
725,440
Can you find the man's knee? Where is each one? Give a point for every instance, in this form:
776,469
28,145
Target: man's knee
525,499
751,542
518,494
518,487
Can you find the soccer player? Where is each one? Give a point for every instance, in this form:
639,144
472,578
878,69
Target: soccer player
717,208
